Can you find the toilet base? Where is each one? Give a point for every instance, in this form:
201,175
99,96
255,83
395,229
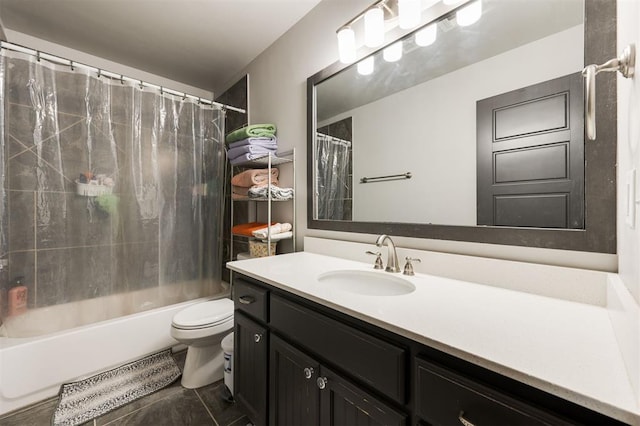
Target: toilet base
203,366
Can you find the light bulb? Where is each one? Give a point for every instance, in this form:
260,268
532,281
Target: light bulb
365,66
427,35
374,27
347,45
409,13
393,53
469,14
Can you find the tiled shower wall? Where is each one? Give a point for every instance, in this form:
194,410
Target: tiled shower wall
65,245
236,96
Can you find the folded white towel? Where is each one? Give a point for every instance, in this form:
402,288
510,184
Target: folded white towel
278,193
278,228
278,237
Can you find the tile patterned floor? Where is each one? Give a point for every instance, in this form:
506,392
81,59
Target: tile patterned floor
171,406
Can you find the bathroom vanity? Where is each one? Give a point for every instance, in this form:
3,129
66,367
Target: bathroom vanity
448,352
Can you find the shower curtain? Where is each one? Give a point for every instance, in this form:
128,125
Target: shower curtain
332,177
109,192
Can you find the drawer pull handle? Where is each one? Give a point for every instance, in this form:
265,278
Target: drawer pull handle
464,421
308,372
257,337
321,382
246,300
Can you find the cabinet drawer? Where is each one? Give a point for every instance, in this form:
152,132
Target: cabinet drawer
369,359
251,299
446,398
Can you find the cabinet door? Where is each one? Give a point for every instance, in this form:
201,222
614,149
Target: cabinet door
343,403
251,356
293,395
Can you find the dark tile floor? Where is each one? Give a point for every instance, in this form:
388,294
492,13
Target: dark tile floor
171,406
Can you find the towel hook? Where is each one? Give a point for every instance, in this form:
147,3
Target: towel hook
625,63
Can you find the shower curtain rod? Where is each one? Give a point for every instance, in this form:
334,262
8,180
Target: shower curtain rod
62,61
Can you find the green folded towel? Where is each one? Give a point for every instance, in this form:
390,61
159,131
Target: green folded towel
252,131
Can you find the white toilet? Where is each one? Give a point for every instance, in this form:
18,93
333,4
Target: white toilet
202,327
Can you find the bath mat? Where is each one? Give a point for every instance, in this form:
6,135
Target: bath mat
86,399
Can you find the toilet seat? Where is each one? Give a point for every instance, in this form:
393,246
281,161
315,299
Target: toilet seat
204,315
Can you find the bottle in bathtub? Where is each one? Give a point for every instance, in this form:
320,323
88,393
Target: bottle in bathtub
17,298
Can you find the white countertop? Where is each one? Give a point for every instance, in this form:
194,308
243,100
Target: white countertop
562,347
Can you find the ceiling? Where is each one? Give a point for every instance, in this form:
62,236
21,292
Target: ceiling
202,43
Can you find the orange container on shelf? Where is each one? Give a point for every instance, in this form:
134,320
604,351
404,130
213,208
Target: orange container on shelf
17,299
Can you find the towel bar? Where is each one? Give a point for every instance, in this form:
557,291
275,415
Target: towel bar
383,178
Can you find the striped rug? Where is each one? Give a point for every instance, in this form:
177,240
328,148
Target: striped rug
87,399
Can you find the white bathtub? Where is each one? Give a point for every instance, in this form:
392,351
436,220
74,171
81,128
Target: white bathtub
32,369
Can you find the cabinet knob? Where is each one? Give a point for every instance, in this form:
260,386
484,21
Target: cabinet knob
308,372
464,421
321,382
246,300
257,337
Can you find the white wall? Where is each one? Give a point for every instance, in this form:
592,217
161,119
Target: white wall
625,316
104,64
277,94
629,149
434,137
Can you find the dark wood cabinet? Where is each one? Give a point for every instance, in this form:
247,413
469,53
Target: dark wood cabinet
344,403
300,363
251,363
445,397
293,392
373,361
303,392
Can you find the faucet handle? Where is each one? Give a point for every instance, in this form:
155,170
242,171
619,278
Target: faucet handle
378,255
408,267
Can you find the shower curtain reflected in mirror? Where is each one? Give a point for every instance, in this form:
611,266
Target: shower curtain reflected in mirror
333,163
111,199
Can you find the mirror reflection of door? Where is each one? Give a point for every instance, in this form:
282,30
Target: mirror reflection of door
334,171
531,156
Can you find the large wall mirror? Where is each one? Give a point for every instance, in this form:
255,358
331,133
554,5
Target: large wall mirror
477,135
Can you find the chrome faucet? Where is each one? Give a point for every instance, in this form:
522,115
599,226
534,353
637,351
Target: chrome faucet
392,256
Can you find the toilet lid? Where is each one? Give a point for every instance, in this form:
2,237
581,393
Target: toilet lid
204,314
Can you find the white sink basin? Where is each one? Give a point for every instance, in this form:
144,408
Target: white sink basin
367,283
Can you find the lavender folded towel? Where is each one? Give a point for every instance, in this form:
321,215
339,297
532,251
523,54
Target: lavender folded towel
246,157
267,142
249,149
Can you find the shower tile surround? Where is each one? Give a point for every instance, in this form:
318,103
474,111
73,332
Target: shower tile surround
64,246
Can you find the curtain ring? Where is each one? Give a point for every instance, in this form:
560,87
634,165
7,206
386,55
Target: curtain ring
71,66
141,85
121,79
161,90
184,96
38,55
99,73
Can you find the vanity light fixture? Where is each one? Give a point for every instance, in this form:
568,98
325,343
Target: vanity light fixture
374,26
409,13
393,53
469,14
383,15
427,35
365,66
346,45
